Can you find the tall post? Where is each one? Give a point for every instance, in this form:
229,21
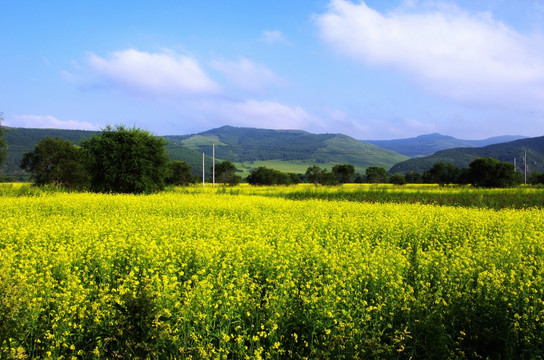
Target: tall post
213,165
525,165
203,171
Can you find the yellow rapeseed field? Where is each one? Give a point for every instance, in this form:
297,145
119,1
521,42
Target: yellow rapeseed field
205,275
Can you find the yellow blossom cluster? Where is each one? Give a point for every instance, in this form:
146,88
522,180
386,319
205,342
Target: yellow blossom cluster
210,275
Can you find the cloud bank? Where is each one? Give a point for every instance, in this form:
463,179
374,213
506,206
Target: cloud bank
468,57
155,74
247,75
48,122
273,36
198,98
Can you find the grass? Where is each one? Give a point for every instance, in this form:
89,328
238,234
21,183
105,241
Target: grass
522,197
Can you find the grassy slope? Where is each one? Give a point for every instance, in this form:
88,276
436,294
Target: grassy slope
289,150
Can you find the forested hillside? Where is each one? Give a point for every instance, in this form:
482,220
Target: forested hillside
22,140
287,150
284,150
425,145
461,157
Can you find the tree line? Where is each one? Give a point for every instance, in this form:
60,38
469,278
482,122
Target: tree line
131,160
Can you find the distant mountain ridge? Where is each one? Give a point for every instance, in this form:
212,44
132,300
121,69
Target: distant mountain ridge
428,144
249,148
286,150
462,157
292,150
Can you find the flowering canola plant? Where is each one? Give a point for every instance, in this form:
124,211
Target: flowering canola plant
204,275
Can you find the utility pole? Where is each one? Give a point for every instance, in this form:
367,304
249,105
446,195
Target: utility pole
525,165
213,165
203,171
515,166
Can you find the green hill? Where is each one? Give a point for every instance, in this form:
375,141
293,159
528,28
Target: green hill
286,150
248,148
425,145
22,140
462,157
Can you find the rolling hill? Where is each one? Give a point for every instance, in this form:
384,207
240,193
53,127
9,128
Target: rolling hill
23,140
425,145
286,150
249,148
462,157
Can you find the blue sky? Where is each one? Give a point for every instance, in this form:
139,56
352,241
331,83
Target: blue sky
368,69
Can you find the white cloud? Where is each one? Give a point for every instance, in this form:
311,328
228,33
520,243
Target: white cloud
273,36
48,122
464,56
247,75
163,74
253,113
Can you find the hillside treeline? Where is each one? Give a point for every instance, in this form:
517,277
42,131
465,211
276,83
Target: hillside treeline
134,161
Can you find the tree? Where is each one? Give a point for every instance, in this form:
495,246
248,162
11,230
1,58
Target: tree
327,178
313,174
122,160
412,177
441,173
489,172
266,176
344,173
3,141
536,178
225,172
317,175
398,179
56,161
376,174
359,178
179,173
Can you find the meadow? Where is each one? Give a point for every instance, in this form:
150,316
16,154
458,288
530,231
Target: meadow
271,273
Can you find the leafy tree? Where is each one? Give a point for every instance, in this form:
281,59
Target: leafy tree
295,178
3,141
359,178
344,173
489,172
413,177
313,174
122,160
225,172
179,173
397,179
56,161
441,173
317,175
266,176
536,178
328,178
376,174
